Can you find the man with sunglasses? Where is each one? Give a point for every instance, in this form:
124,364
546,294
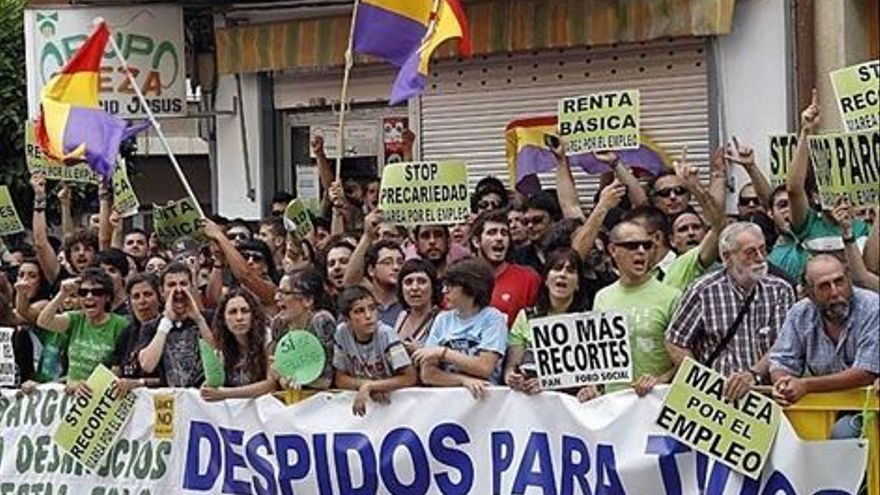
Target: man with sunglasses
250,262
645,301
669,193
729,319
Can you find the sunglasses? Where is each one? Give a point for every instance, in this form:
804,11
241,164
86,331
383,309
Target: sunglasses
749,201
532,220
635,245
665,193
253,255
91,291
241,236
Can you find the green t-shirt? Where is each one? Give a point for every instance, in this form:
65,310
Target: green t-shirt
791,251
520,331
52,356
90,346
648,309
684,269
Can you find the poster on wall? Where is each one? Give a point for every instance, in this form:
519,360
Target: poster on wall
393,130
149,36
360,140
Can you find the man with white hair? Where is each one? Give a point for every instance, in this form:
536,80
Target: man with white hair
728,320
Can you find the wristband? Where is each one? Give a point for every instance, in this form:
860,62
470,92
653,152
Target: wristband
40,203
165,326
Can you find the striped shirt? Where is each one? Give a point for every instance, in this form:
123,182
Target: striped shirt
708,309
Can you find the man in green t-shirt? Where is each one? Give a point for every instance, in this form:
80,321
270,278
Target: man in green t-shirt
647,304
95,335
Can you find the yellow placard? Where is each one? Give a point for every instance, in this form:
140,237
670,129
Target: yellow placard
95,419
857,89
600,121
163,421
738,434
37,161
846,166
177,220
125,201
10,223
782,148
424,193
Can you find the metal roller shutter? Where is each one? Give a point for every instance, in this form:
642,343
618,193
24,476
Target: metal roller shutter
469,103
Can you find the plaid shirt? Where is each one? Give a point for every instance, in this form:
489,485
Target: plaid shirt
708,309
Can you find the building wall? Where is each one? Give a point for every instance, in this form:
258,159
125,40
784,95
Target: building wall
753,74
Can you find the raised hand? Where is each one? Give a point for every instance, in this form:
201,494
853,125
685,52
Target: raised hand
612,194
318,146
810,115
38,183
740,154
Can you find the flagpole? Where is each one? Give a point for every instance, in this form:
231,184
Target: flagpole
349,61
156,126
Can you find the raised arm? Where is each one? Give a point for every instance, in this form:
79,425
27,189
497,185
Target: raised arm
713,208
565,189
262,288
46,256
337,203
861,276
355,270
64,198
745,156
584,238
800,164
635,191
49,317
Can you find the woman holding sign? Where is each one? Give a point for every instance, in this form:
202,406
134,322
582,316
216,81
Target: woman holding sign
561,293
242,338
301,301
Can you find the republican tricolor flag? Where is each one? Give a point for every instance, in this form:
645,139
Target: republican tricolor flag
72,127
406,33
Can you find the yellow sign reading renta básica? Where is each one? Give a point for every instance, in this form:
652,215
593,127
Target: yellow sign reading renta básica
737,433
858,95
600,121
424,193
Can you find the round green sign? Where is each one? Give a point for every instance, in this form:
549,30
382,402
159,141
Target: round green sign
299,355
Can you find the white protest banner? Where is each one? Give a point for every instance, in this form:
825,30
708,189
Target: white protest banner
847,166
600,121
858,95
738,434
575,350
10,223
782,148
424,193
149,36
8,375
360,140
426,441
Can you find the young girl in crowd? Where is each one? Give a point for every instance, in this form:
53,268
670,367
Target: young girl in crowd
561,293
302,305
367,355
241,336
96,336
418,291
32,293
466,343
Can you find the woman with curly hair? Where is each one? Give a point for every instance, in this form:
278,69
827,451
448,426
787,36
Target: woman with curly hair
241,338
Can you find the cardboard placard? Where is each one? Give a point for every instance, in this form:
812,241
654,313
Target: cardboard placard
91,425
847,166
782,148
857,91
177,220
125,201
297,220
575,350
299,355
738,434
10,223
38,162
600,121
424,193
8,374
215,373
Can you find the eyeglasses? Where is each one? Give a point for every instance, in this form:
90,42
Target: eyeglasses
91,291
488,205
635,245
669,191
253,255
749,201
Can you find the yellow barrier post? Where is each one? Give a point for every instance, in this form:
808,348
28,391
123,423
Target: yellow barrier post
814,416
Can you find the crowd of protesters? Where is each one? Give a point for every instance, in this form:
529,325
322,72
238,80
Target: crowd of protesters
782,294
